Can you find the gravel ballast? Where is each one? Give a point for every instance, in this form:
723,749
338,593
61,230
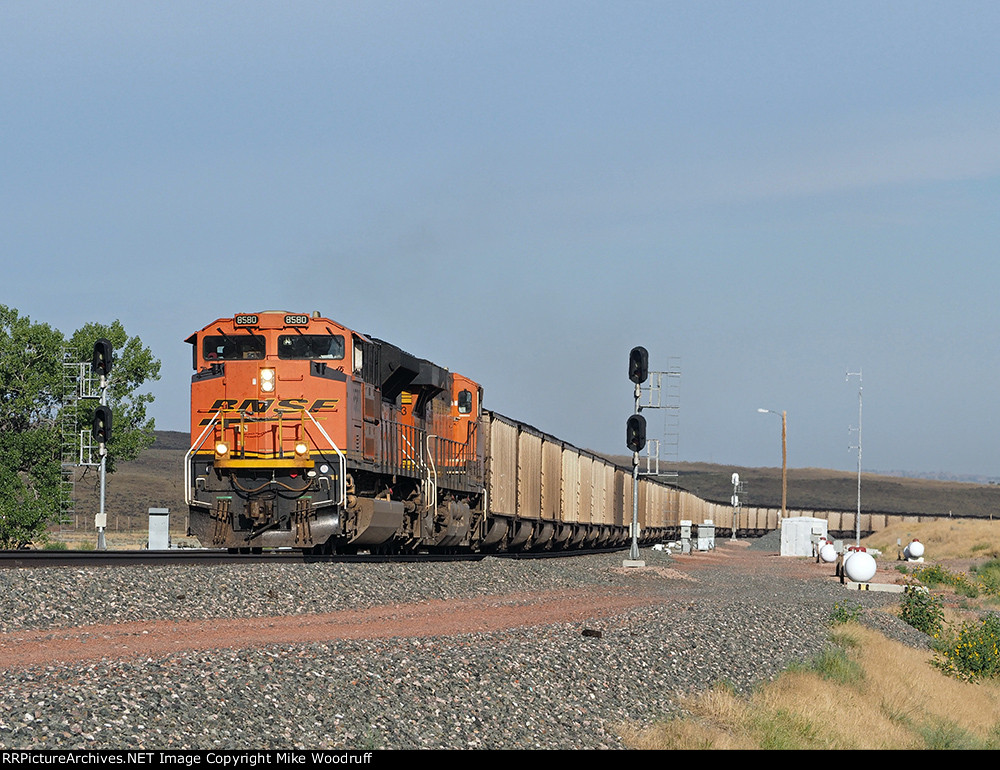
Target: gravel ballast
548,686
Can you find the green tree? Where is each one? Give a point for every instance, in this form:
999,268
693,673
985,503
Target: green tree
31,391
30,376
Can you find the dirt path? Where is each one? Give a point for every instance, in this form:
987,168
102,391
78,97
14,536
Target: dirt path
431,618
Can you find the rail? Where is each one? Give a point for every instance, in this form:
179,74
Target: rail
432,481
408,450
188,497
341,462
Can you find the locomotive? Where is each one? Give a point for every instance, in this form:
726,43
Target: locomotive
306,434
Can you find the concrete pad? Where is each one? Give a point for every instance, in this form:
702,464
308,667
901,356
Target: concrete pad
891,588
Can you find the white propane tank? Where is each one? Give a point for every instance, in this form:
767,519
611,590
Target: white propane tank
828,553
915,550
860,567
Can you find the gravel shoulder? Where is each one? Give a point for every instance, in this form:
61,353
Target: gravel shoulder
500,653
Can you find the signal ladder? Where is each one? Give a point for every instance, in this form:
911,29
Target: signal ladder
77,448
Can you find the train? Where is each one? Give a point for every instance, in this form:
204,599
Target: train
308,435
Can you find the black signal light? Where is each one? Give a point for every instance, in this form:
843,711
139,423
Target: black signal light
635,432
101,363
638,365
102,424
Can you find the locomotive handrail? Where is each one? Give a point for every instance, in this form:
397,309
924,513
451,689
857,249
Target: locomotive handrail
412,459
188,497
342,461
432,482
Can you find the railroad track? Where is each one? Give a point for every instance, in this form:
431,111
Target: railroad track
213,556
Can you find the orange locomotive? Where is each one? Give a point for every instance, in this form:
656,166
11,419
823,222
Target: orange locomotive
306,434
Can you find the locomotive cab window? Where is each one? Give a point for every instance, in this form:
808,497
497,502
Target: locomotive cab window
232,347
465,402
311,346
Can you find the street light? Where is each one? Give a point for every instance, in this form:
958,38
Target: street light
784,456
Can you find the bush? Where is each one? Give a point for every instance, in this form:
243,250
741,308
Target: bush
964,585
922,611
974,652
933,575
989,576
845,613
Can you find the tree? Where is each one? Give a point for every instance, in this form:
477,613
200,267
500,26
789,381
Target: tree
31,396
30,376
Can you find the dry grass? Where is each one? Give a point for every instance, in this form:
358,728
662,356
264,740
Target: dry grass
958,545
892,698
943,539
86,539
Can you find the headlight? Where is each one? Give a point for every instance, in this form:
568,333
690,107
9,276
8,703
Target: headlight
301,449
221,449
267,380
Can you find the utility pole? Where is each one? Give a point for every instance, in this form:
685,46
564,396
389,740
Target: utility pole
857,520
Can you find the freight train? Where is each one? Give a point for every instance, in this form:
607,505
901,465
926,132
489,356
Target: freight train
308,435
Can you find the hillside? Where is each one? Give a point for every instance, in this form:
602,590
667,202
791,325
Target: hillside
155,480
819,489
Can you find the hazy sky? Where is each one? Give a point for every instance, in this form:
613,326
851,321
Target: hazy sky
771,194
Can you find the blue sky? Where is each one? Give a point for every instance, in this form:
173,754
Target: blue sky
770,194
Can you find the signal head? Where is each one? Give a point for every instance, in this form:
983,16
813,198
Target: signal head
638,365
101,361
635,432
101,427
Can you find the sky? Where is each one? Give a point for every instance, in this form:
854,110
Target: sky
765,195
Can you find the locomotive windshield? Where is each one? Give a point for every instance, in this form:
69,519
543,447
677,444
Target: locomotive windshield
232,347
324,346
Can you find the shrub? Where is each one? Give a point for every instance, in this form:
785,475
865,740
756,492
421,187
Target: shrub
845,613
934,575
974,652
989,576
922,611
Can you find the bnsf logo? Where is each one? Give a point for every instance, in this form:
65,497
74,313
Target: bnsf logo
259,407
